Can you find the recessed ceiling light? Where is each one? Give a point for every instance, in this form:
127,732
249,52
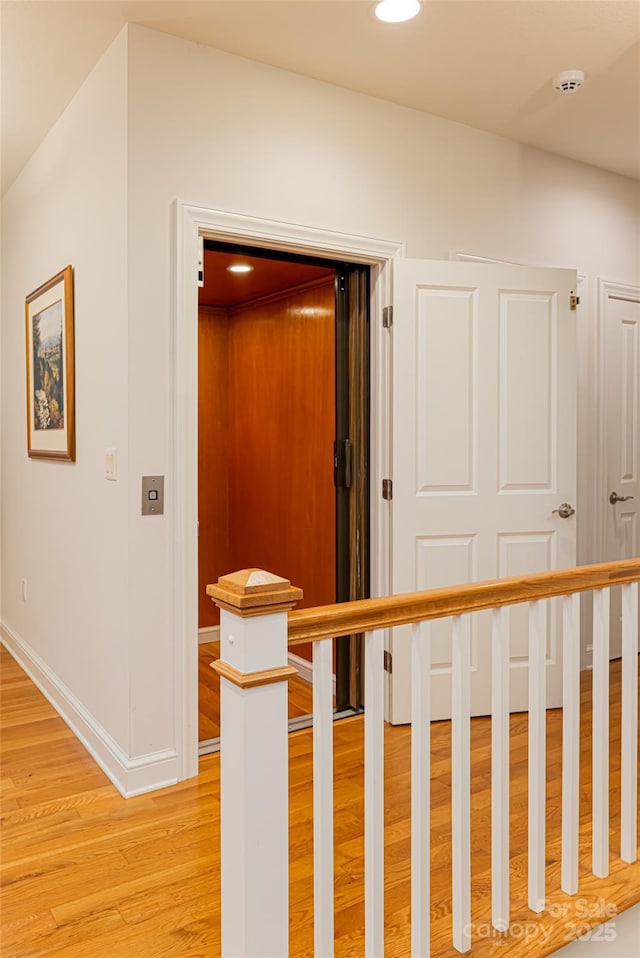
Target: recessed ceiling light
397,11
240,268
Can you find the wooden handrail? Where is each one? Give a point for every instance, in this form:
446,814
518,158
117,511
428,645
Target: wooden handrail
363,615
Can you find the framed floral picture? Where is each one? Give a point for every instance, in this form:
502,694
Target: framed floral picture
50,369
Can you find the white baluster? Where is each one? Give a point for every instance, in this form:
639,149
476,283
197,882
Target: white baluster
461,782
500,765
629,776
374,794
600,740
420,789
323,905
570,741
537,753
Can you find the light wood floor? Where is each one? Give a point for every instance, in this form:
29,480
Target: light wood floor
300,694
87,873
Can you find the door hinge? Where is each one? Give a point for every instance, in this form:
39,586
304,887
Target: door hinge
388,662
574,302
387,489
387,317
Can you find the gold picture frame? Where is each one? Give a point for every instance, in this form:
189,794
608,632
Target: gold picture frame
51,432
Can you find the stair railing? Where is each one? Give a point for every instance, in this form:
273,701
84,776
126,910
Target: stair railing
257,629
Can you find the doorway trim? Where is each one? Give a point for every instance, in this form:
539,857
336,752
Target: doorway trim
607,289
190,222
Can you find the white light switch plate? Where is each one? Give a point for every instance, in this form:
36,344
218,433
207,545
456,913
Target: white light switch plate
110,464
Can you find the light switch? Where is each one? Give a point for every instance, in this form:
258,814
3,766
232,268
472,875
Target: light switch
152,495
110,464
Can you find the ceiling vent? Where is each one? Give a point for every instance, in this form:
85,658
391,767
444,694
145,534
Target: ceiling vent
569,81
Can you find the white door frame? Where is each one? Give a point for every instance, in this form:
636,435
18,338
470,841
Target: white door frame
190,222
606,289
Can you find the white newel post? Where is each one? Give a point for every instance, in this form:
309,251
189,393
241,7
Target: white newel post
254,775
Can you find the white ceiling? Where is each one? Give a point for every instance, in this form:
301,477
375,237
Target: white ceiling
486,63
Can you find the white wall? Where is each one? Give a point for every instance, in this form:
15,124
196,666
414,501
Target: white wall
223,132
64,527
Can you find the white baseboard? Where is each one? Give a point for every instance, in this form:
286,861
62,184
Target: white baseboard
208,633
305,668
131,776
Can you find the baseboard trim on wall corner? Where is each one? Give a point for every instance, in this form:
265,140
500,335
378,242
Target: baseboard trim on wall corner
131,776
208,633
305,668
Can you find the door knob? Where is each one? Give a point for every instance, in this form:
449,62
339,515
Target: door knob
614,497
565,510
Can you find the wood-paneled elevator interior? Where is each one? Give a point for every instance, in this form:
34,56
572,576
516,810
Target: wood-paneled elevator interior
266,428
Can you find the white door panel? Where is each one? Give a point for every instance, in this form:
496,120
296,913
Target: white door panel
622,436
484,443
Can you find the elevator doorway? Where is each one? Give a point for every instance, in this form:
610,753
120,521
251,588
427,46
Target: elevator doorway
283,446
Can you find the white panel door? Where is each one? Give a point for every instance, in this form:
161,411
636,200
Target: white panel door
484,451
621,342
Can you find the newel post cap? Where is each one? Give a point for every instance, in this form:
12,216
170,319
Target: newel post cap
254,592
